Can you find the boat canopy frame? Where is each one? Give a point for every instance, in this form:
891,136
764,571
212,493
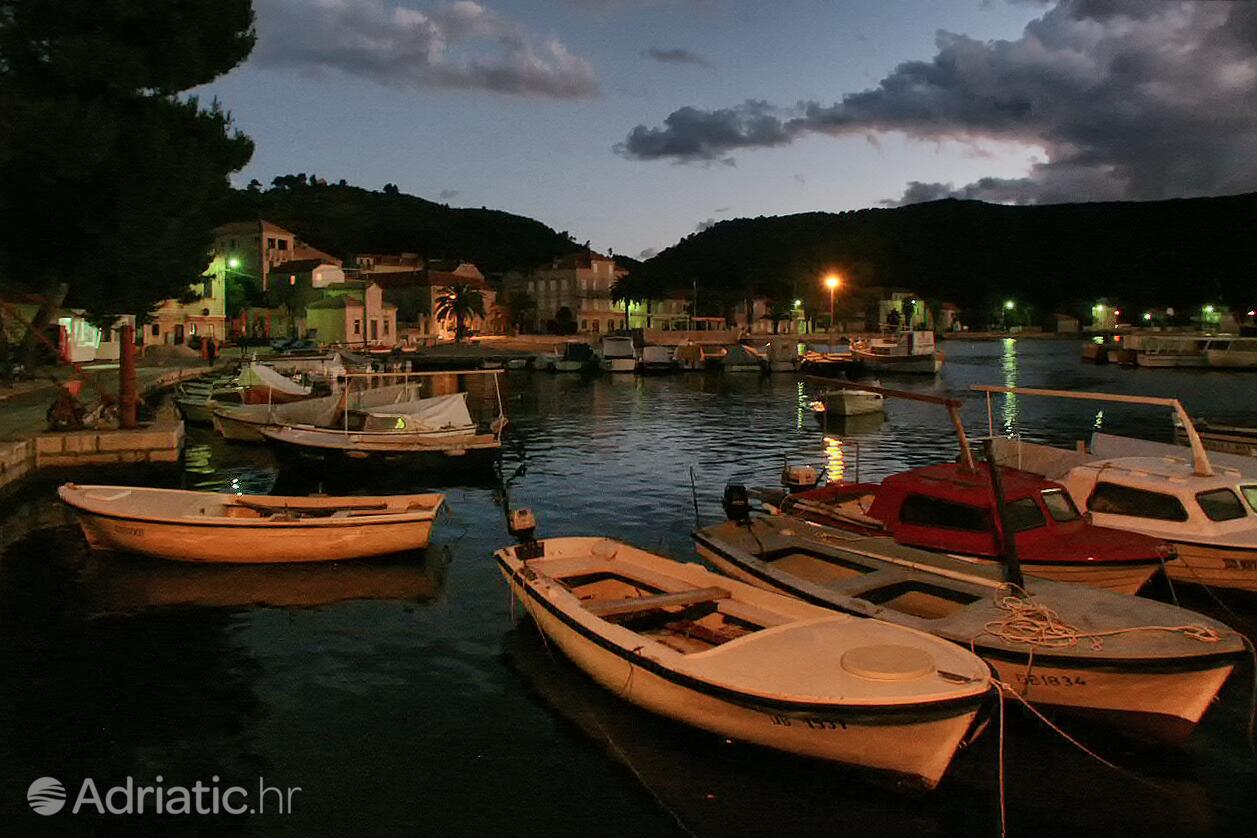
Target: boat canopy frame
497,386
1200,457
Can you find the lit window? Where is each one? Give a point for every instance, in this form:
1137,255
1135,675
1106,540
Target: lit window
292,279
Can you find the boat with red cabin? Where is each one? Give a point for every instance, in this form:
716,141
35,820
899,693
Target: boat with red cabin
950,508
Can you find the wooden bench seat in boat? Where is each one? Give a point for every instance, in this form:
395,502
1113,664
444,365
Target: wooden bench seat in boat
632,605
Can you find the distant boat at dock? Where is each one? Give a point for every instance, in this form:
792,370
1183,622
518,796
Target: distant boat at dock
618,355
897,351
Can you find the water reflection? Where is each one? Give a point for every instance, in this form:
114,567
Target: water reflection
835,458
1008,366
129,584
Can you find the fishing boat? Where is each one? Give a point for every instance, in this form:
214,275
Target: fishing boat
657,359
897,351
249,529
1226,439
688,356
259,384
1146,667
845,402
1232,353
1162,351
573,356
1186,501
438,426
197,399
618,355
951,508
783,355
726,657
243,422
739,358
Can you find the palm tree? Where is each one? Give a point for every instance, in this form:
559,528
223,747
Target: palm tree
461,302
626,291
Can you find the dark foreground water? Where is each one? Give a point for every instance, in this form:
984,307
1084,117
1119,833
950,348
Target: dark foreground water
401,699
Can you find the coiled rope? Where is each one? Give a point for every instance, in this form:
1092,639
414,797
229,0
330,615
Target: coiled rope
1034,624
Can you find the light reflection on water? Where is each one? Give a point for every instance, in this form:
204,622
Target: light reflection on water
414,705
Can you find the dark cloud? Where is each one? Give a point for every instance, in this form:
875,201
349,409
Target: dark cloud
457,45
648,253
446,194
721,210
1126,98
690,134
675,56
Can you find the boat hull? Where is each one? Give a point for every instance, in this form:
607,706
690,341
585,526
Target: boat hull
237,430
1215,566
1166,702
262,545
854,403
195,412
915,364
1231,359
619,364
917,748
1166,361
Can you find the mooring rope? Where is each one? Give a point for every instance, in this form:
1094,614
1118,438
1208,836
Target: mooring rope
1036,625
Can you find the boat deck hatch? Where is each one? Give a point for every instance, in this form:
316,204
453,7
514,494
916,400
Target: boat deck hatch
603,585
813,566
918,599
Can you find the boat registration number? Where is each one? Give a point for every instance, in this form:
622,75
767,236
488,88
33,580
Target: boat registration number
1033,680
125,530
1240,564
814,724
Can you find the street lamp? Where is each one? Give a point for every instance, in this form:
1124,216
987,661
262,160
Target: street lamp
233,262
832,282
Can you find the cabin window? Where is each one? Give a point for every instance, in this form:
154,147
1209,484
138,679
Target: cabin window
1221,505
1112,499
1060,506
925,511
1024,514
1250,495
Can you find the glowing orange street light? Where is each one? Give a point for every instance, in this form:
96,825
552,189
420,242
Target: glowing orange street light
832,282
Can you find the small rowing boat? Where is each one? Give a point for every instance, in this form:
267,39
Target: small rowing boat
726,657
1142,665
249,529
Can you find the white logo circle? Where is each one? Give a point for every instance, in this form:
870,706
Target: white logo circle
46,796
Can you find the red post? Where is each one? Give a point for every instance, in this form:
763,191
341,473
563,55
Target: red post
128,396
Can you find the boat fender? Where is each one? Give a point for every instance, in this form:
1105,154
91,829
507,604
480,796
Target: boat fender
736,503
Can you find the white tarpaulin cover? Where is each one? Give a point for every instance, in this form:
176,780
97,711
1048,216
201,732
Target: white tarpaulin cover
260,375
434,414
324,411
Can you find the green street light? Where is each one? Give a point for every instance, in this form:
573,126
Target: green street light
1009,305
1147,315
798,304
233,262
1208,309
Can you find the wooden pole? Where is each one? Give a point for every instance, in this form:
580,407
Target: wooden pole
1008,538
128,390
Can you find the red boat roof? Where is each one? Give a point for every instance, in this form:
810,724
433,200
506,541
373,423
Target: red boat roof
954,482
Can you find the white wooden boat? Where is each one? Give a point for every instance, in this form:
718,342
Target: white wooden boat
618,355
899,352
681,641
249,529
1170,351
657,359
850,403
196,399
1186,501
1106,663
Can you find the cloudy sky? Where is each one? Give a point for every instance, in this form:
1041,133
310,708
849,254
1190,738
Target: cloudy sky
632,123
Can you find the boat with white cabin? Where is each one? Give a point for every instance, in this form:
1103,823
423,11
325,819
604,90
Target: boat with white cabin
1198,507
899,351
618,354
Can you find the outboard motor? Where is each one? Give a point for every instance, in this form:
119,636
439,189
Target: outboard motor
736,503
799,478
522,524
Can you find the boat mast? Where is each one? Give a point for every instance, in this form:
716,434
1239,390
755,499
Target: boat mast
1007,536
1200,458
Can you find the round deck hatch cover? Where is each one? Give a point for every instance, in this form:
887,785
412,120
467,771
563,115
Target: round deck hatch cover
887,662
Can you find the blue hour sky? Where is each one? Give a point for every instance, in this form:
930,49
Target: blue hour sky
632,123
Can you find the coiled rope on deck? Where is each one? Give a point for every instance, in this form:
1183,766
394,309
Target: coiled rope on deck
1035,624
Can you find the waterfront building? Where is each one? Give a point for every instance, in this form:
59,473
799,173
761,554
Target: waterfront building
352,314
414,287
573,293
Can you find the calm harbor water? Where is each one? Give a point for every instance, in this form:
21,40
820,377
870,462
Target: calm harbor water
402,699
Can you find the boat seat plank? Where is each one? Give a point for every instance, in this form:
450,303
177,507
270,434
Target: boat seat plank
752,614
616,607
